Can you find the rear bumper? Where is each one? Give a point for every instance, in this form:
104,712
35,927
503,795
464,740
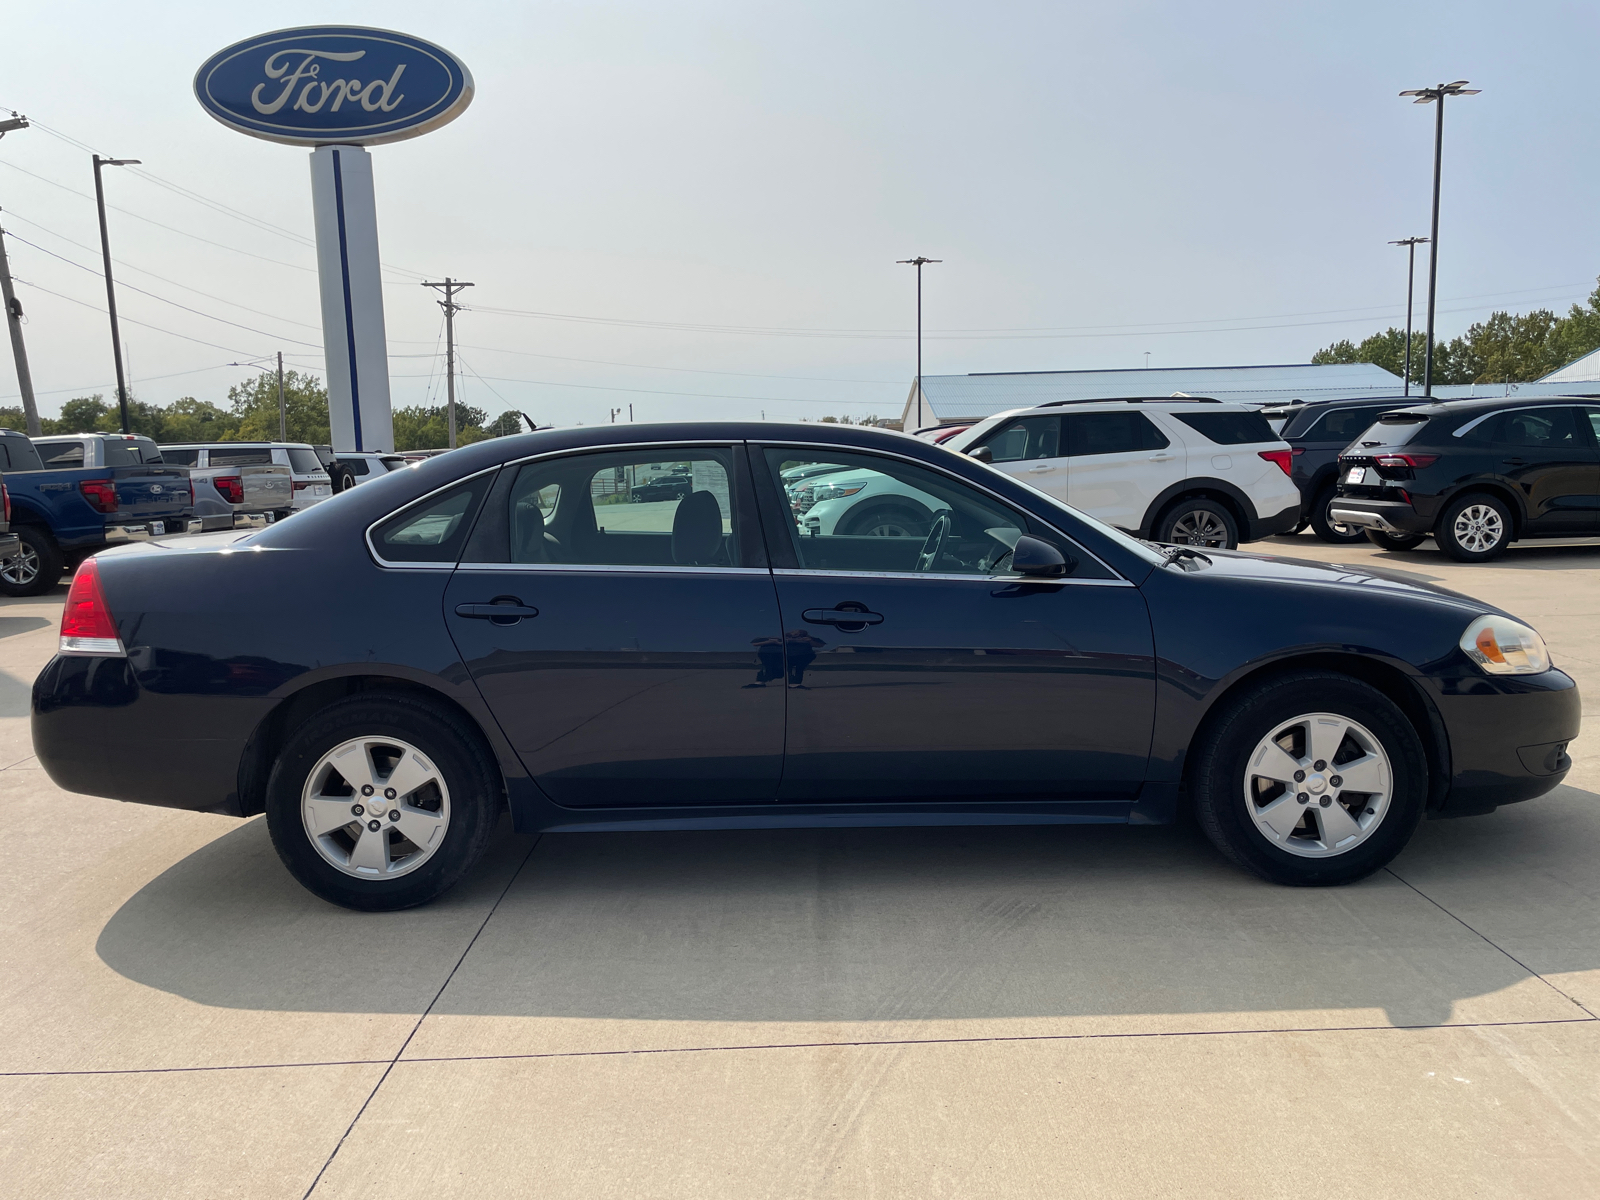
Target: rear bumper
1282,522
1508,738
10,546
1386,516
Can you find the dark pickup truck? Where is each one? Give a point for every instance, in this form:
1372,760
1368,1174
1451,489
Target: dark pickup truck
73,495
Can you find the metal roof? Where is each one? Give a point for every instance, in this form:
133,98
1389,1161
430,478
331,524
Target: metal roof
950,398
1579,370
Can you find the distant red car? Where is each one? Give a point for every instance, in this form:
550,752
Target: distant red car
939,433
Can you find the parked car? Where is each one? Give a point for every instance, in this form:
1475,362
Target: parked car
233,484
363,465
940,433
264,490
88,491
10,543
397,667
1475,474
1187,470
662,487
1316,432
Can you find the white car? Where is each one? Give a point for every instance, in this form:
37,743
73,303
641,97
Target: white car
1177,469
310,483
364,465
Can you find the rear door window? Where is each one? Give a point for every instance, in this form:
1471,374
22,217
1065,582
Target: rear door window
304,462
432,530
61,454
1549,429
1111,433
358,466
180,458
1229,428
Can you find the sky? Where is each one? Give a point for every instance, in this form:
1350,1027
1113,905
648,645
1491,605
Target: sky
696,209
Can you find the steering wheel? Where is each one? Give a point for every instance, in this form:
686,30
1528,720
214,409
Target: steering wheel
933,547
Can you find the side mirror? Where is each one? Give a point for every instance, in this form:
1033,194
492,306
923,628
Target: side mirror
1035,559
982,453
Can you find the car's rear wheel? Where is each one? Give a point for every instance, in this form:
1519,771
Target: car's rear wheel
1394,541
36,568
889,520
1310,780
382,802
1474,528
1198,522
1325,527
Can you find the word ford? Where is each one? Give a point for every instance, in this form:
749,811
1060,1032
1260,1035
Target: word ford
376,96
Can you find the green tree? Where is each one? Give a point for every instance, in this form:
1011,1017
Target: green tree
191,420
428,428
506,424
255,406
82,414
1508,347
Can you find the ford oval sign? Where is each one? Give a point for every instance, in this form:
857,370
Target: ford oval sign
333,85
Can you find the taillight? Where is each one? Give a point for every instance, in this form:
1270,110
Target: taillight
191,492
5,502
1406,460
102,493
1281,457
231,487
86,624
300,485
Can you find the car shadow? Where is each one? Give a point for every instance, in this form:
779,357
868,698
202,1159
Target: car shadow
11,626
864,925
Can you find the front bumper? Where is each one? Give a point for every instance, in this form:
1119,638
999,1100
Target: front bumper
1508,737
1386,516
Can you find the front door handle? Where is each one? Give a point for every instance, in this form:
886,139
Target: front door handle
1040,469
859,617
502,610
1514,462
1162,457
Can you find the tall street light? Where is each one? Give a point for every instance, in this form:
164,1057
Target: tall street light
918,262
1429,96
1411,244
111,293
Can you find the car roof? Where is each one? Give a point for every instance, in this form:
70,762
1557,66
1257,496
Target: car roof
1491,403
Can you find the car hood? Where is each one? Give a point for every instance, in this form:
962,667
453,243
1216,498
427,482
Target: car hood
1298,572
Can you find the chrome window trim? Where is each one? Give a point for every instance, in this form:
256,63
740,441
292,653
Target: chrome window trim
1064,581
1116,575
372,549
1476,421
610,569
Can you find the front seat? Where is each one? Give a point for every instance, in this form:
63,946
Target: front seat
527,532
697,531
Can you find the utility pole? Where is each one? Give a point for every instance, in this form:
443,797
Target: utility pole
1411,245
614,413
283,408
450,287
1430,96
918,262
111,292
18,350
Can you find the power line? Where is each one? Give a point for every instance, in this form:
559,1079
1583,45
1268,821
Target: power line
595,387
131,321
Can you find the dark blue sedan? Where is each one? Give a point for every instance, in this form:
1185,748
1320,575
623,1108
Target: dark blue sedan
500,629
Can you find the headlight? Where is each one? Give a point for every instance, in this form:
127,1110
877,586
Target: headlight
1502,646
833,491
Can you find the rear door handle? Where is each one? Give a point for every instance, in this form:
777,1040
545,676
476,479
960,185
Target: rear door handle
842,616
1040,469
502,610
1162,457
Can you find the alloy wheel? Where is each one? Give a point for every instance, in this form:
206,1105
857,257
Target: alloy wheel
1478,528
1318,785
375,807
1200,527
23,569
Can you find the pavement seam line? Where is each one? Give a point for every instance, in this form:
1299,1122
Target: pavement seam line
857,1042
1575,1002
482,925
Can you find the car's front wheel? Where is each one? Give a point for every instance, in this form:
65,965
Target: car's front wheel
382,802
1310,779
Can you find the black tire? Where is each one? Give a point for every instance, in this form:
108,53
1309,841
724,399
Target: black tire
1325,528
456,750
1222,755
344,480
1474,528
1199,522
36,568
1394,541
888,520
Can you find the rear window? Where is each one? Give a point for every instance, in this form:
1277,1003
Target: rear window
304,462
1339,425
1229,428
180,458
61,454
1391,429
256,457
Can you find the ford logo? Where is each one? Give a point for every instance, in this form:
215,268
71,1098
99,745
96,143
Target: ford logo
333,84
155,488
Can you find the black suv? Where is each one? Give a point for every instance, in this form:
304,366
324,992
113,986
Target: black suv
1316,432
1476,474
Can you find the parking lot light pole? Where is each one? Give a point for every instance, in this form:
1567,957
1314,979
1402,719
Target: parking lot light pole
918,262
111,292
1411,245
1430,96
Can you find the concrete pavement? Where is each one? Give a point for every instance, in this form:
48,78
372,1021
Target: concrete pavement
1011,1012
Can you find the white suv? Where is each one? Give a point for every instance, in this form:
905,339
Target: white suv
1175,469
